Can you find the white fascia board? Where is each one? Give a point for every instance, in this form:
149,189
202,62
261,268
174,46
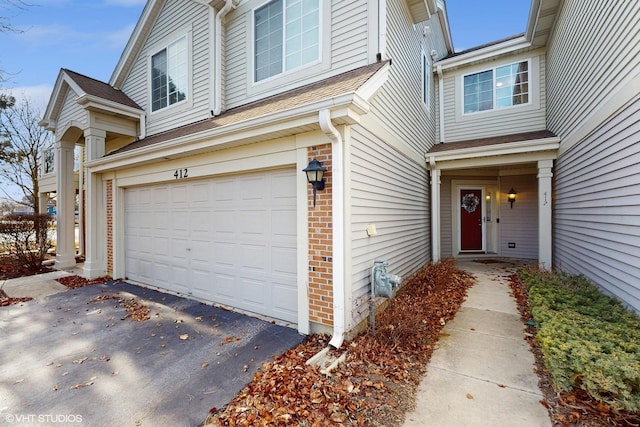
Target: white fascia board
486,53
149,14
48,121
296,117
530,146
369,88
93,102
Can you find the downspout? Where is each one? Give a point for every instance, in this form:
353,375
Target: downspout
382,28
441,102
337,201
143,126
229,4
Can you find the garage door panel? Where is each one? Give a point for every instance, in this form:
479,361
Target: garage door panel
254,257
229,240
283,261
284,297
255,221
281,221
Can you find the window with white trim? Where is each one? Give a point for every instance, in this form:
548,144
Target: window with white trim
286,36
169,75
425,79
500,87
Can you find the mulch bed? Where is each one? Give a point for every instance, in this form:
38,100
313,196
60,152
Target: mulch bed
9,269
377,383
576,408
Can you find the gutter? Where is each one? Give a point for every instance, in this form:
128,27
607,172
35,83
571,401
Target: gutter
229,4
338,208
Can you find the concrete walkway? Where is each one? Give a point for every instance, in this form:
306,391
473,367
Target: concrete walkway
37,286
482,373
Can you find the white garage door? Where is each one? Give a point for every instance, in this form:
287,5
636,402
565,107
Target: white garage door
229,240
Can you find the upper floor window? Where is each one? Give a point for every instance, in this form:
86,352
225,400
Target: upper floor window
169,71
286,36
499,87
425,79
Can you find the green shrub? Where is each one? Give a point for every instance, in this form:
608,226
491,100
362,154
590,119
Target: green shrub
588,339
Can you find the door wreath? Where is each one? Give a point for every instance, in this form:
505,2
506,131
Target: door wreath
470,202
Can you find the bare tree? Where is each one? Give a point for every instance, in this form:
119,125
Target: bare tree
9,7
22,143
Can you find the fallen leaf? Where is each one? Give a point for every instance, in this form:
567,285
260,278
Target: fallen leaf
184,337
19,381
80,361
469,396
204,364
55,387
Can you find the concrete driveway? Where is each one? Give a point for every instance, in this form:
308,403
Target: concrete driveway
66,360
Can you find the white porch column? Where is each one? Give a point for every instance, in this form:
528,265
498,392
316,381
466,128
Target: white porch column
66,196
435,210
544,214
44,199
95,251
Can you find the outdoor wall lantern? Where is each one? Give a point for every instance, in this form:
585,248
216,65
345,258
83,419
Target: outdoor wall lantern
315,173
511,196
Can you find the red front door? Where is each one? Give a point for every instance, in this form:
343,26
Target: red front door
470,220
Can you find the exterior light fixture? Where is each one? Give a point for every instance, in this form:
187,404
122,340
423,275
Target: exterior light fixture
315,173
511,195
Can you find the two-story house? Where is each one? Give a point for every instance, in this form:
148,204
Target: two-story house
192,175
194,153
538,145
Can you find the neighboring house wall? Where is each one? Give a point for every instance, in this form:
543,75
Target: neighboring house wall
177,18
390,191
593,106
597,191
502,121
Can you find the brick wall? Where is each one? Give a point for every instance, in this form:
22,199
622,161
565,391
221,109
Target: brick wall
320,244
109,226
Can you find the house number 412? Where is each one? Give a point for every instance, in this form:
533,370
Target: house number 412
181,173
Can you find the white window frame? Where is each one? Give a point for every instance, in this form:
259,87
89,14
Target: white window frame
425,95
186,34
493,70
285,72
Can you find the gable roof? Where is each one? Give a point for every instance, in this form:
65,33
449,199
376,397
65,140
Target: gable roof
91,94
100,89
330,88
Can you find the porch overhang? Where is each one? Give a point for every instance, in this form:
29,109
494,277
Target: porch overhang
508,151
503,150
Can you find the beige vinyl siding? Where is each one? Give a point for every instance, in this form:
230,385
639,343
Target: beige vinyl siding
390,191
398,106
345,47
597,206
505,121
594,47
176,18
520,223
71,110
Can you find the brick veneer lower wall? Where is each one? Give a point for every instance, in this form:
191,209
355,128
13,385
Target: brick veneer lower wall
110,227
321,244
